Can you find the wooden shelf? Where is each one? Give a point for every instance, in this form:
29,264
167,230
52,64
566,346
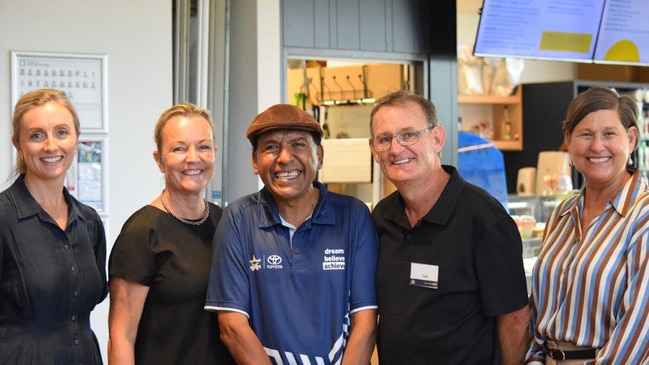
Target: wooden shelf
488,99
488,110
511,145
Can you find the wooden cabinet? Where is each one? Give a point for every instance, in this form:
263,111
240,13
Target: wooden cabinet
484,114
345,85
390,27
344,97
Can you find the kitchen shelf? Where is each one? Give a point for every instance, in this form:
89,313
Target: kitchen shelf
488,99
485,113
508,145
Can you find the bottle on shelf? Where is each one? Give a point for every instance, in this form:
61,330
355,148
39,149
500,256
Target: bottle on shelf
506,126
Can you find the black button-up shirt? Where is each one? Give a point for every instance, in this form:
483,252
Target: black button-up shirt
50,280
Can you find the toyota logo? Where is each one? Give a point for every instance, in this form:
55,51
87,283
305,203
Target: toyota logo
274,260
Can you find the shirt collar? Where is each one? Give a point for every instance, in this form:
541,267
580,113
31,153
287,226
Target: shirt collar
442,209
623,200
269,214
27,206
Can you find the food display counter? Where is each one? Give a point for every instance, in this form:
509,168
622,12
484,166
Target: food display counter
531,249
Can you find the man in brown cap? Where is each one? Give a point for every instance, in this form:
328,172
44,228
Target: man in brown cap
293,265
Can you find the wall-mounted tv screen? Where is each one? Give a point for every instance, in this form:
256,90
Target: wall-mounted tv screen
600,31
540,29
624,33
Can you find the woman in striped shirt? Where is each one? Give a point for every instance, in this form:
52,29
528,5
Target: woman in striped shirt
590,289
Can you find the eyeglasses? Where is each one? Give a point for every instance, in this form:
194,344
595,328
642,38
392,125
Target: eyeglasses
407,138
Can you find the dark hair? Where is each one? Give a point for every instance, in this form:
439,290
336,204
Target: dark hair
34,99
600,98
400,98
188,110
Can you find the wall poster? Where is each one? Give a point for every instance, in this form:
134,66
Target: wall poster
85,179
81,76
84,78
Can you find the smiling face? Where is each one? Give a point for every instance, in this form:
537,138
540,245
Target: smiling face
287,162
600,147
47,141
186,154
410,163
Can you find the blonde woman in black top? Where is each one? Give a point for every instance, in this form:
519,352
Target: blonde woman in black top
161,260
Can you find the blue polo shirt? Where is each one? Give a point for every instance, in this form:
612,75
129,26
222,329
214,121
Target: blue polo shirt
298,295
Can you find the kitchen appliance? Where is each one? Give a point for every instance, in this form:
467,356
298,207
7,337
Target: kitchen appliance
526,181
552,168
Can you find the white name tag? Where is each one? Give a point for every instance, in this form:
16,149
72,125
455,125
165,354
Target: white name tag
423,275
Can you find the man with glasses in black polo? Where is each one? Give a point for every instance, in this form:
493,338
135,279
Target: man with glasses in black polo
450,282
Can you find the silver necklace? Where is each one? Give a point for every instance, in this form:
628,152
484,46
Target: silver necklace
193,223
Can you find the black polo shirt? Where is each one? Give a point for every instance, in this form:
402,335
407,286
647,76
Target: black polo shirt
449,317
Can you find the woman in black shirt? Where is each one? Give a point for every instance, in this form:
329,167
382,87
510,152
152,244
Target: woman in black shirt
52,247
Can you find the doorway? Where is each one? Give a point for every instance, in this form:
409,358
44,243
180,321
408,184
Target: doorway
340,94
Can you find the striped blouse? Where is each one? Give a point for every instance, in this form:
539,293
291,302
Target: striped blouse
591,288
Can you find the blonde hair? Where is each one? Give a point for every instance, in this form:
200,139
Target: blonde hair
188,110
34,99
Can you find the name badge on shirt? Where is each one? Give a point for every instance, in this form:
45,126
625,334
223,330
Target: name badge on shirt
423,275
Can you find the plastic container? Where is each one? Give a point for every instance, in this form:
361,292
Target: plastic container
525,225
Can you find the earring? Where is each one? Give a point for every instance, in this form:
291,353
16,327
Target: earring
630,161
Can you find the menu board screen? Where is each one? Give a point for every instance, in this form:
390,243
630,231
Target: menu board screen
541,29
624,33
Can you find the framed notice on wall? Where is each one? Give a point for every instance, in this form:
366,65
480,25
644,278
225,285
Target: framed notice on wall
81,76
86,177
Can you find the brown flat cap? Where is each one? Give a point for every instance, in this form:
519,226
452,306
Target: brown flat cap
283,116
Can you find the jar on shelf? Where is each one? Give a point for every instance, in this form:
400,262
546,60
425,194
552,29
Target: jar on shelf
506,126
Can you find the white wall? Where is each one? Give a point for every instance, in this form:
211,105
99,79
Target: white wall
136,36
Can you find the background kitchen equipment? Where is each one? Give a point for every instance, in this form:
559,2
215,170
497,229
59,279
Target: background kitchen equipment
340,95
551,167
526,182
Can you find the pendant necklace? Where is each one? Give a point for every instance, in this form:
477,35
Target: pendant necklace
180,219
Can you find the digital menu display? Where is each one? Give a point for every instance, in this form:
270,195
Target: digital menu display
540,29
624,33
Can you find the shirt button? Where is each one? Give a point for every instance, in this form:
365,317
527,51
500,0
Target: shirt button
66,247
297,251
76,342
74,318
409,237
73,269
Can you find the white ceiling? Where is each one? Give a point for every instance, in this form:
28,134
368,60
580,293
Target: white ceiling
469,6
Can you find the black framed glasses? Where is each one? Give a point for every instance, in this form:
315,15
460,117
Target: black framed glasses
406,138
